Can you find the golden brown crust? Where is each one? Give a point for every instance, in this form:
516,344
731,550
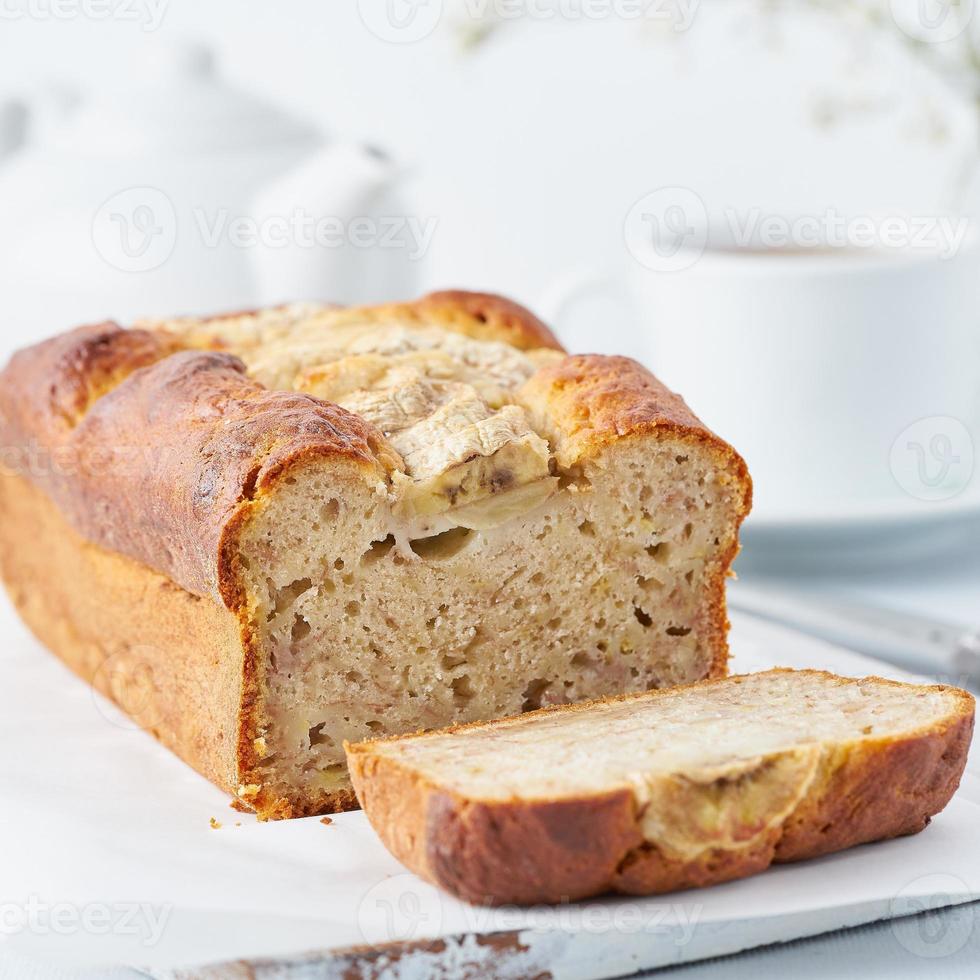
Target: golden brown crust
482,316
163,466
587,401
51,385
530,851
315,802
170,659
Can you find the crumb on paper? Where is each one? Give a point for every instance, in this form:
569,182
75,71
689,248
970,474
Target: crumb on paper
326,821
215,824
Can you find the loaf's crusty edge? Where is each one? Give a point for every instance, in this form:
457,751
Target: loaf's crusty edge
482,316
172,660
586,402
526,852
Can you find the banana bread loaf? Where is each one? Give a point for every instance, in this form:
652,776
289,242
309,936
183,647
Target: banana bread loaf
266,533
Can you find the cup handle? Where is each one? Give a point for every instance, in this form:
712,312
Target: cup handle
562,296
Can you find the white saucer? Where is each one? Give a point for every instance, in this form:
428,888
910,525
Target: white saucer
859,531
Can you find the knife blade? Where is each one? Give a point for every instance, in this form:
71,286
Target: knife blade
945,650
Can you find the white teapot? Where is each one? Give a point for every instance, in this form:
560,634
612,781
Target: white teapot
174,192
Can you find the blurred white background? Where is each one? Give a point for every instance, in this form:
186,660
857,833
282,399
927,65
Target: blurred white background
530,148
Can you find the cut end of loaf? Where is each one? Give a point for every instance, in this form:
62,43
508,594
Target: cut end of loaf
671,789
611,584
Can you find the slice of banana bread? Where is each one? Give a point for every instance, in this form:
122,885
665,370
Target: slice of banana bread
266,533
665,790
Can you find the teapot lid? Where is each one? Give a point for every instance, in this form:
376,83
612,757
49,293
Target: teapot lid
178,104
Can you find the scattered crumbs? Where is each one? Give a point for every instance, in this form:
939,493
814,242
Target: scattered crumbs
238,823
215,824
326,821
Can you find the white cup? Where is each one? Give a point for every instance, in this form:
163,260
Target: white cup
812,362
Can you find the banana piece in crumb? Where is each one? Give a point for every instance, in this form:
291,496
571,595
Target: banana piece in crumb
443,400
458,452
